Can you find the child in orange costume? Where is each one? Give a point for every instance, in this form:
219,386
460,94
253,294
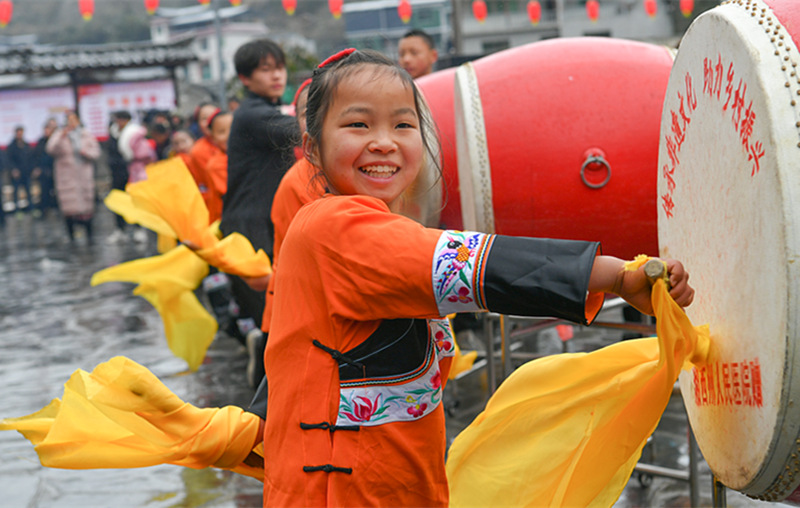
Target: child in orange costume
204,148
355,368
216,170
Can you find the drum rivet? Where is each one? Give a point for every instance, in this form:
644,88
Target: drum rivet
786,58
777,52
783,67
796,125
786,84
760,21
793,102
780,43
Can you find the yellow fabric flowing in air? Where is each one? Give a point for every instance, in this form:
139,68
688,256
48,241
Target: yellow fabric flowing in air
167,282
567,430
170,204
121,416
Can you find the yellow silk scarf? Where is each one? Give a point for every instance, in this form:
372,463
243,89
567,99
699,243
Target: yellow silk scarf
170,204
121,416
567,430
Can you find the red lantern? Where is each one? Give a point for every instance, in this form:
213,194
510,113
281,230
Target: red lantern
87,9
479,10
236,3
336,8
593,10
289,6
150,6
6,10
404,11
534,11
651,7
687,6
204,2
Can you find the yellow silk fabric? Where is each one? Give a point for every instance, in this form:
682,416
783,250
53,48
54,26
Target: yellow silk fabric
170,204
167,282
121,416
567,430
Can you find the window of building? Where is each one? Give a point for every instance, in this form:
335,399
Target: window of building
495,46
206,70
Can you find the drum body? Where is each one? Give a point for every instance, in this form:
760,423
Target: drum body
556,139
728,197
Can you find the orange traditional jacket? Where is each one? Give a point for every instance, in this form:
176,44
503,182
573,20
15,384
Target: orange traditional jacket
202,151
357,357
216,183
298,187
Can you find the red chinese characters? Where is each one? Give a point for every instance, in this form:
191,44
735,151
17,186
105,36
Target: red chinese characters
729,384
719,85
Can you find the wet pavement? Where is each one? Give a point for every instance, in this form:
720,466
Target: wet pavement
53,322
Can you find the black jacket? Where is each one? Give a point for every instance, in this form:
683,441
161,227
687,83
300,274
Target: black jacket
260,151
22,157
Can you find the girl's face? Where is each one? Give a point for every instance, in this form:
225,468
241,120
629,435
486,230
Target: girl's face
371,141
221,130
182,142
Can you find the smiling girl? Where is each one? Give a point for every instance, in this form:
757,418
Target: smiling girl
356,359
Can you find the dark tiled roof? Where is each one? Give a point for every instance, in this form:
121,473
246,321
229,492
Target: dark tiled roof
33,60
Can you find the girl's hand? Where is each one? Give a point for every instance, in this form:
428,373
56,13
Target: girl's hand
609,275
635,288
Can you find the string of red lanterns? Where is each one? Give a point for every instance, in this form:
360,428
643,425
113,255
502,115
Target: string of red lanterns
404,9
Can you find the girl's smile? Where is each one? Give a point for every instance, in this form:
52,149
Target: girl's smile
371,143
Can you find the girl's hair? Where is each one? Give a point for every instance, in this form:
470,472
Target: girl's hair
332,71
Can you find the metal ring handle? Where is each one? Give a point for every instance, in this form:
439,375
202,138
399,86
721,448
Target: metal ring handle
600,160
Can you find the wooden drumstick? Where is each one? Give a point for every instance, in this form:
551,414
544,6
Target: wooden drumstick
656,269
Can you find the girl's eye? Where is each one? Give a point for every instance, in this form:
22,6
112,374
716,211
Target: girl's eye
359,125
405,125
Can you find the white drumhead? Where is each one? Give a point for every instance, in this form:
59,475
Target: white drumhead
728,198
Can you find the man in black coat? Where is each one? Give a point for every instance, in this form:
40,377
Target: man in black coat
21,161
260,150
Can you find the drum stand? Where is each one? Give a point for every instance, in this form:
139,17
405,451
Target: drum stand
719,494
510,349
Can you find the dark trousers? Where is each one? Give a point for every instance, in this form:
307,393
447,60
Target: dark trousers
85,222
22,183
119,179
47,198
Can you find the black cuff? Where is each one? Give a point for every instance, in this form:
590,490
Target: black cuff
539,277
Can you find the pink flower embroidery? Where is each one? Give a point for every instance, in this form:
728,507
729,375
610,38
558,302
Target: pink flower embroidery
442,341
436,381
418,410
363,412
462,296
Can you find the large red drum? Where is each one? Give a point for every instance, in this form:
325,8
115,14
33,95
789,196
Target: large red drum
729,198
555,139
